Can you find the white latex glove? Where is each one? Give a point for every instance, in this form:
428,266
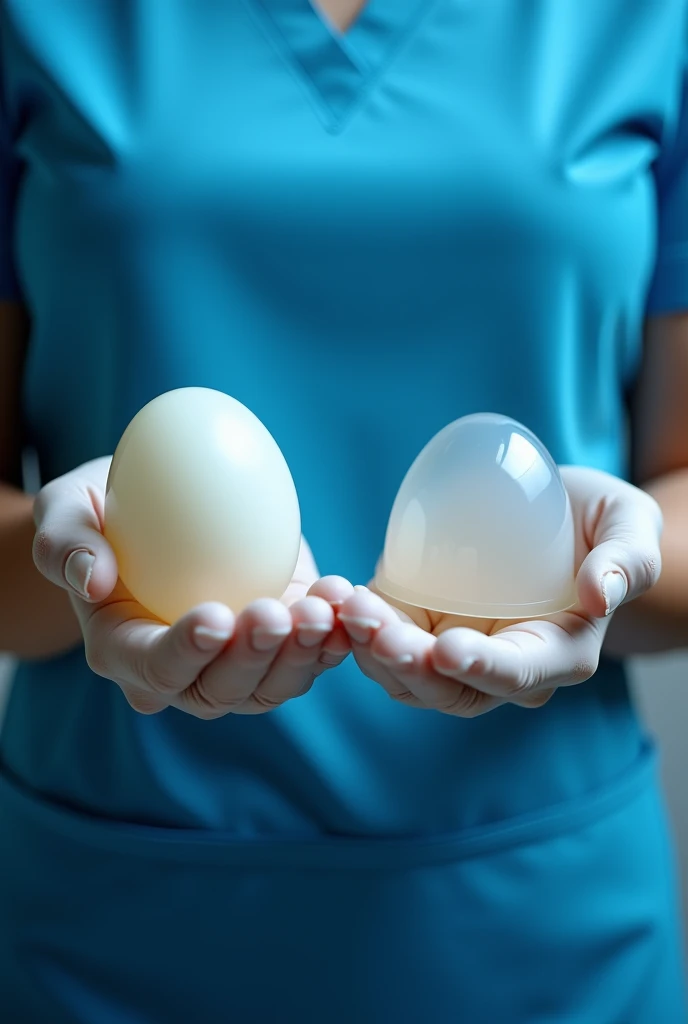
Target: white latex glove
210,662
465,666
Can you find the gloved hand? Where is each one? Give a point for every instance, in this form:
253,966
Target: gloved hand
465,666
210,662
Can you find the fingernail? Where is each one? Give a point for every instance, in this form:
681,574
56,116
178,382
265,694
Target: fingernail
614,590
395,661
78,571
331,659
359,627
210,639
310,634
459,670
266,638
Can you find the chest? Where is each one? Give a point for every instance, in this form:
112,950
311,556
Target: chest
471,133
467,184
137,75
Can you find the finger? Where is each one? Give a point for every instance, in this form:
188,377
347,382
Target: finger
364,613
294,669
625,561
385,677
385,666
362,616
405,612
337,647
260,632
406,653
152,662
304,576
69,548
518,661
306,571
333,589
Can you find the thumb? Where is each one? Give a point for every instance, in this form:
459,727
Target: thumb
69,548
625,560
305,575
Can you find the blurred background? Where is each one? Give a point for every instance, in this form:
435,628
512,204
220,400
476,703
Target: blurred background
661,687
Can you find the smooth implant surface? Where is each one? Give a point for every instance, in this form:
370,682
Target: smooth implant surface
481,525
201,505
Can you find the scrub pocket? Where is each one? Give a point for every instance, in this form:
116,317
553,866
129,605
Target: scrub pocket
567,917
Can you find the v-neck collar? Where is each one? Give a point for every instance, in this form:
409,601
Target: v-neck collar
341,66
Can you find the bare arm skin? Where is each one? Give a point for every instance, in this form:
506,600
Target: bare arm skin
36,618
658,620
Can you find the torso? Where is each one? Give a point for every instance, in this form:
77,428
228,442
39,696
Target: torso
494,226
196,190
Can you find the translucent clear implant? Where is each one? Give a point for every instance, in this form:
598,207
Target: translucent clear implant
481,526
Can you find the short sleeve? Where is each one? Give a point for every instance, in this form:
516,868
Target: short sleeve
9,288
669,286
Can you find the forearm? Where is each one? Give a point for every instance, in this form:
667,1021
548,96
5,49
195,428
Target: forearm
658,621
36,617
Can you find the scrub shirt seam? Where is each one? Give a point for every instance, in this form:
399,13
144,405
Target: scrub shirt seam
332,123
405,35
355,853
275,36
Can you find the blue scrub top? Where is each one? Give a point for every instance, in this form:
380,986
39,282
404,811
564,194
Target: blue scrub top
454,207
